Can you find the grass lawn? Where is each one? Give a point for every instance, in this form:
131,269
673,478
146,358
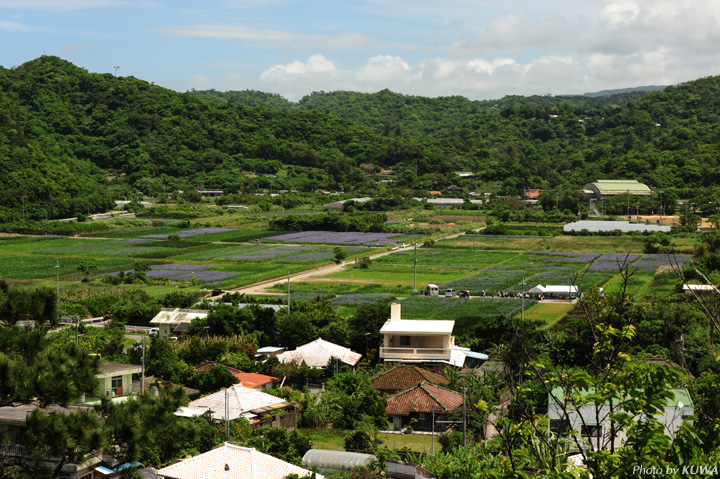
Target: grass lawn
334,440
548,314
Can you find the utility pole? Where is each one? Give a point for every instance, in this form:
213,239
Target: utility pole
628,204
661,206
142,376
288,294
57,288
522,307
415,267
227,415
464,420
432,446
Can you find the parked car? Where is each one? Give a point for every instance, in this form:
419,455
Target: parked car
449,293
154,332
464,293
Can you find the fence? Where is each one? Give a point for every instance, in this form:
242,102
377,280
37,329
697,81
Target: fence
287,421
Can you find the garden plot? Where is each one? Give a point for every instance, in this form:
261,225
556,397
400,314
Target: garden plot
332,237
293,255
465,312
39,267
191,233
649,263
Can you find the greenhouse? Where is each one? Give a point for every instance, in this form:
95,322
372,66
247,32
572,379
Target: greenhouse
325,460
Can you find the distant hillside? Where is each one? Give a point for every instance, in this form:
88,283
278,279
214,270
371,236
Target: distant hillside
388,112
62,130
645,89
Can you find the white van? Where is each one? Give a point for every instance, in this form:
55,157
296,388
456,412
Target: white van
449,293
154,332
432,290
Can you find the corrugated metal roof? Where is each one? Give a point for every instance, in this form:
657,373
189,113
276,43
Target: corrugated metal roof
240,400
418,326
177,315
232,462
337,460
679,396
625,226
609,187
423,398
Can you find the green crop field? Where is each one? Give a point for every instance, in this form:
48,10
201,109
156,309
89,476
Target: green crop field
334,440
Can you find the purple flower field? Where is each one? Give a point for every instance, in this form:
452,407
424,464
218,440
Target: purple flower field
260,253
559,257
181,267
360,299
488,280
649,263
332,237
193,232
202,276
612,262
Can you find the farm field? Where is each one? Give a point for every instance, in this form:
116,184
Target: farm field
334,440
493,271
548,314
209,257
213,257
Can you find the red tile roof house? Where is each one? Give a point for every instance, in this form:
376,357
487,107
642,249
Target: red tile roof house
400,378
249,380
233,462
419,403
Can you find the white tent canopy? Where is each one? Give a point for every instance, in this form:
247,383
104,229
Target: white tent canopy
554,289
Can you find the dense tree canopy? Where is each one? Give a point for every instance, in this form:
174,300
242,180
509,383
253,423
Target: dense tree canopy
72,141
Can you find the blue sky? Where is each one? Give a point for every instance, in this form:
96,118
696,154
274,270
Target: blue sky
475,48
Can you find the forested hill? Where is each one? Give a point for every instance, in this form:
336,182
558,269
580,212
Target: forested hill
390,112
63,129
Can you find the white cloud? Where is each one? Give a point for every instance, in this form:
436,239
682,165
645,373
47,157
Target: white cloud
315,64
15,27
617,15
238,33
517,32
474,78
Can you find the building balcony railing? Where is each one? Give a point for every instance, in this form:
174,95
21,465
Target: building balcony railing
415,353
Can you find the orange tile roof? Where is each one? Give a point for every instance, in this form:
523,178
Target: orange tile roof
249,380
403,377
232,462
253,380
423,398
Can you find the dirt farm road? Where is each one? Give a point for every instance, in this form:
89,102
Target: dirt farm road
262,287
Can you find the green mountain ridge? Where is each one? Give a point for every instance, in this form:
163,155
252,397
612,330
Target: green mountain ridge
62,130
